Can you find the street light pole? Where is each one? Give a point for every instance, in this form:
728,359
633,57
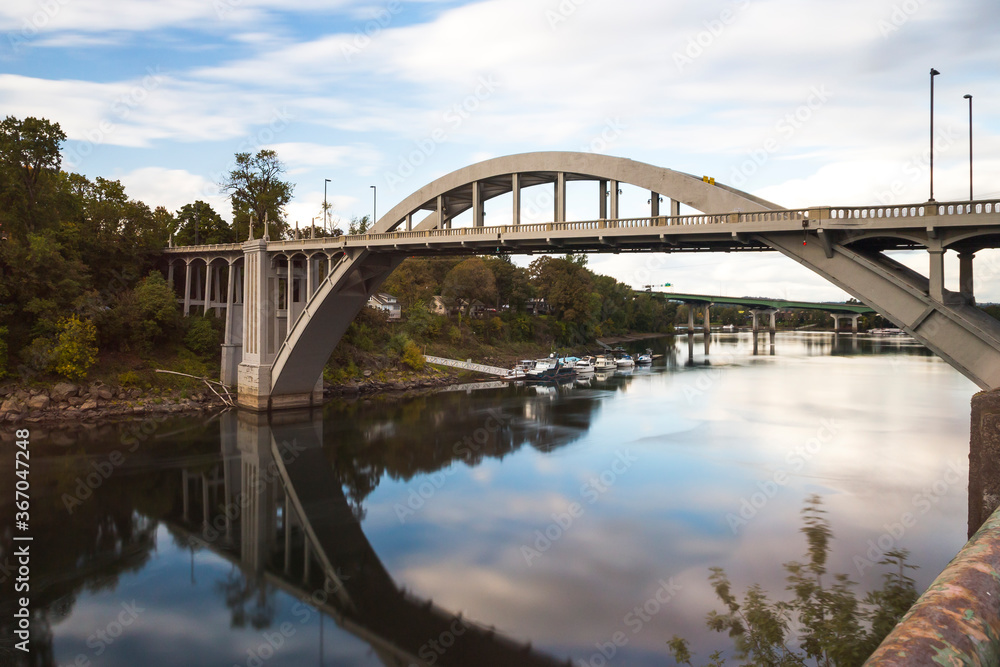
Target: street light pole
934,73
374,203
969,97
325,181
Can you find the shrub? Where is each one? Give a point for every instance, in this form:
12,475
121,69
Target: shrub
201,338
412,356
129,379
76,349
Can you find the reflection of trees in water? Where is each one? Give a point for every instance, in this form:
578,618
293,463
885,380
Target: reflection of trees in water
107,534
239,590
405,438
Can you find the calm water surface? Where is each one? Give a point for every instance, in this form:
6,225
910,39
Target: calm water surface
511,526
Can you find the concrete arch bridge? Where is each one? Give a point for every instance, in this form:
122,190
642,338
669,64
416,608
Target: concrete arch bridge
287,303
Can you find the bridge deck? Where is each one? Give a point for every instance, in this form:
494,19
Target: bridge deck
710,232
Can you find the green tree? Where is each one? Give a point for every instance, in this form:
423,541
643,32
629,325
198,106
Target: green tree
513,283
30,159
566,286
470,281
359,225
199,223
256,189
156,308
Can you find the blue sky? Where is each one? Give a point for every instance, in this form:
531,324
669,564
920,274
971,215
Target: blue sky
803,103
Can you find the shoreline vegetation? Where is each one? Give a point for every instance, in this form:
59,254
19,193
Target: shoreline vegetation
59,402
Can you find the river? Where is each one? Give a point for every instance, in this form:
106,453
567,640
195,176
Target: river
513,525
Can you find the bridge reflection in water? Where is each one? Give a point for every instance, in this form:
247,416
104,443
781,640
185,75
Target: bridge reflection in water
275,508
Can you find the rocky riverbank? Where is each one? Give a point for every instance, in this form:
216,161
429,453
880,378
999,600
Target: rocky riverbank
67,402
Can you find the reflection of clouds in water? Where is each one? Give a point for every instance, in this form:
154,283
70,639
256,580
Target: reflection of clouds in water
899,423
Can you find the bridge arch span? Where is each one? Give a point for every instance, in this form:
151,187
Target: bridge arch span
287,341
465,188
294,376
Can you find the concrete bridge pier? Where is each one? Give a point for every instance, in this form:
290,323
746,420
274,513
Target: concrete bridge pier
854,321
707,329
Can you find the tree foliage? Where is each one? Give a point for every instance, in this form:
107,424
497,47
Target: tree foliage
199,223
29,161
468,282
256,190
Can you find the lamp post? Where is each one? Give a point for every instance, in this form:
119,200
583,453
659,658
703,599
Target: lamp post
969,97
934,73
374,203
325,181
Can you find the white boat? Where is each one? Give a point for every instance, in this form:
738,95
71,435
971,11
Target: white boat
625,361
645,358
585,365
603,363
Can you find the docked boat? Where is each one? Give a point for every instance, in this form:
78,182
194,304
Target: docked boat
584,366
646,358
550,370
603,363
625,361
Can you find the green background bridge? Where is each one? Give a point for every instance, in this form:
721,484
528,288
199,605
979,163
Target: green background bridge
779,304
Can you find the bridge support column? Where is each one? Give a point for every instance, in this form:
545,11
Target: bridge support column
854,323
965,279
836,322
603,208
232,344
560,210
675,207
209,277
936,275
753,314
478,210
614,201
690,320
708,329
654,204
259,310
515,190
187,287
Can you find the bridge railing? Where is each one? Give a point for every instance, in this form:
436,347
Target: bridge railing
905,211
840,213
